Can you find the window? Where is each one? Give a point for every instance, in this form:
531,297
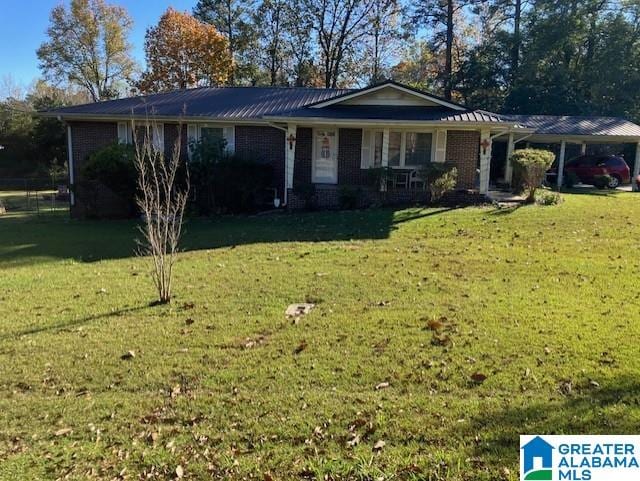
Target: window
615,162
418,149
211,134
377,148
124,133
406,149
395,148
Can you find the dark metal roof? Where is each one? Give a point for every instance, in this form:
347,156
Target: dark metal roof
574,125
220,103
392,113
255,103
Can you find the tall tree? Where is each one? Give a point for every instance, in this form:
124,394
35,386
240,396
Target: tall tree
88,46
182,52
440,16
299,45
382,37
339,25
270,21
232,18
417,65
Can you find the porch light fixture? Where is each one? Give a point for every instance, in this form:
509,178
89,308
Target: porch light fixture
291,139
485,144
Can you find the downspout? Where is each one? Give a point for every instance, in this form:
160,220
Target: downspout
286,167
72,197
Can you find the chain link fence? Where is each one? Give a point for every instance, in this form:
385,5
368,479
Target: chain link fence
34,195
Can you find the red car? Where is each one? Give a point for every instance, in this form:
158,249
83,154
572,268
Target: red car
586,167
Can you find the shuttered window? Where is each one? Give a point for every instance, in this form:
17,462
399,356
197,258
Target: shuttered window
123,133
371,153
198,132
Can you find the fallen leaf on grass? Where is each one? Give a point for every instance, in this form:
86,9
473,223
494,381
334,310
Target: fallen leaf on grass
179,471
189,321
354,441
440,340
379,445
382,385
128,355
435,324
298,310
63,432
478,377
301,347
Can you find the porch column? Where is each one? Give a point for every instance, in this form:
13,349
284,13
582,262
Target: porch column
636,169
290,149
385,148
563,150
508,171
583,148
485,160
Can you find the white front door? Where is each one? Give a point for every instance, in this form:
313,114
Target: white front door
325,157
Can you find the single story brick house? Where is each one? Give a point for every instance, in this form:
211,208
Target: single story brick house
326,139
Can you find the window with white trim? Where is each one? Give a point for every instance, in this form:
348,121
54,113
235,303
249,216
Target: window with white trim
211,132
124,133
407,149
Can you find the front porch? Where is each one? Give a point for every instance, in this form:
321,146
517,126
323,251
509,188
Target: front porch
325,164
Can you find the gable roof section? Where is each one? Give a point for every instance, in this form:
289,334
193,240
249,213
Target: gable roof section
419,94
389,113
225,103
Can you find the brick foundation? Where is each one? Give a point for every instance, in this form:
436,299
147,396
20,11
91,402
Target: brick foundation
333,197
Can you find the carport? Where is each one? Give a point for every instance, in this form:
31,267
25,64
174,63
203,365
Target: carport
572,136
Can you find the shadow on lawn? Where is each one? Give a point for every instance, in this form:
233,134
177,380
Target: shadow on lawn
82,321
587,410
24,240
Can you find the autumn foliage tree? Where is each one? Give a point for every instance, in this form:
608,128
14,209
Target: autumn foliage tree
87,45
182,52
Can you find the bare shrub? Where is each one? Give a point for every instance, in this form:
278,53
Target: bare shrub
162,197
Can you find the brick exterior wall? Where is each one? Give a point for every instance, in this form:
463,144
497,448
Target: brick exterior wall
170,138
302,163
268,144
463,150
86,138
349,154
265,144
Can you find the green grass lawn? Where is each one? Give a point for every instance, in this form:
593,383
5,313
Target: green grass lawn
543,301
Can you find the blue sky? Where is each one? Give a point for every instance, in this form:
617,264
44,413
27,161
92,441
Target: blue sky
23,24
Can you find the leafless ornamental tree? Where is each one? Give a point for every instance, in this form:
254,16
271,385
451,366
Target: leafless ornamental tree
162,198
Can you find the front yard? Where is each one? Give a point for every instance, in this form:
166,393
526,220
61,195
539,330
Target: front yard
438,337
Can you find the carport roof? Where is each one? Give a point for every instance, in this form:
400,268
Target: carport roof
577,125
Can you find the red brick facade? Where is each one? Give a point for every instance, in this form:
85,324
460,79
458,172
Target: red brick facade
87,137
303,162
170,138
264,144
349,156
267,144
463,150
